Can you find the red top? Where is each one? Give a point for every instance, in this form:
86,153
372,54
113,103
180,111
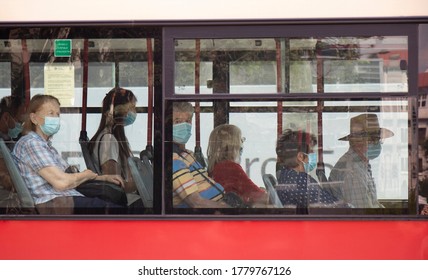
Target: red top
234,179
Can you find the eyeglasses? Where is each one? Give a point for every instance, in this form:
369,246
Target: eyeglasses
243,139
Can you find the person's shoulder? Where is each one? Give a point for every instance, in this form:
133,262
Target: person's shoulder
313,181
345,160
29,141
286,175
182,153
228,164
106,136
4,136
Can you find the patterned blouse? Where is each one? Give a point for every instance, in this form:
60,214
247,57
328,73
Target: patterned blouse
300,189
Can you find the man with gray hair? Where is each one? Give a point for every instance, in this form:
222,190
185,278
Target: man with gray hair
192,187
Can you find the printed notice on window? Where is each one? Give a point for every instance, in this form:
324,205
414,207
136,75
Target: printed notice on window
59,82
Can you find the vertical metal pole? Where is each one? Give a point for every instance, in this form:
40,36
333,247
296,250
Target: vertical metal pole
26,65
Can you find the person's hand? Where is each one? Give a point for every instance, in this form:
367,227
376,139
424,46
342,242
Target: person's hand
115,179
90,174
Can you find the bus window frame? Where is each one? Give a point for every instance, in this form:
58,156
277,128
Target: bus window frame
164,61
171,34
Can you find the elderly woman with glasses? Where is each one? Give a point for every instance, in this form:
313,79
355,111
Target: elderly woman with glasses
224,152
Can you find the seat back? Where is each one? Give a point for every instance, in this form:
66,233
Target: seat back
320,171
146,156
23,192
89,160
142,173
270,183
199,156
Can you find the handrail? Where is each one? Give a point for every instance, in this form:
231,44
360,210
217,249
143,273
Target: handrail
85,83
149,94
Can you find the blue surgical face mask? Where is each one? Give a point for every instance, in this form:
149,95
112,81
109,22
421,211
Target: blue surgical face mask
373,150
130,118
51,126
181,132
14,132
312,162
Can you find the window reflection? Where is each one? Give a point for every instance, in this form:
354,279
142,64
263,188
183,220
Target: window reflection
290,65
261,126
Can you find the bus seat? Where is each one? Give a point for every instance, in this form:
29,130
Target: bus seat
143,177
320,171
270,183
199,156
147,153
23,192
89,160
146,157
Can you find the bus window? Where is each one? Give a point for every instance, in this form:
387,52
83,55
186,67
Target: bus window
258,122
320,85
89,64
293,65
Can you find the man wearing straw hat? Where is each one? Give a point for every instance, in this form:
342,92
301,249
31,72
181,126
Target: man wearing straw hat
351,178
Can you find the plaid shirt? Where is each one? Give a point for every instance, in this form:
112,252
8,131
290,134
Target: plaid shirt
31,154
352,181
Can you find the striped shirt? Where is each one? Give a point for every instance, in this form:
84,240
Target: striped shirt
31,154
189,176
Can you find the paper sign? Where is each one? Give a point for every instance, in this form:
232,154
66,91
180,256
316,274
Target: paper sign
59,82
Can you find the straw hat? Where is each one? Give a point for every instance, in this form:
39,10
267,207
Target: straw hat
366,125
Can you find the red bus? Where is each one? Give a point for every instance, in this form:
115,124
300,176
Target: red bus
264,71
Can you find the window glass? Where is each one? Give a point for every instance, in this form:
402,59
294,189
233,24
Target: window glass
293,65
115,57
363,147
4,76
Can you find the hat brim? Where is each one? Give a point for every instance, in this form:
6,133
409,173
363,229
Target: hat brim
384,133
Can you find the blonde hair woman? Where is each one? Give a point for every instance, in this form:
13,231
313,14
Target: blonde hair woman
224,154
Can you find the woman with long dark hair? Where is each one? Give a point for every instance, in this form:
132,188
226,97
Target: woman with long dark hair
109,146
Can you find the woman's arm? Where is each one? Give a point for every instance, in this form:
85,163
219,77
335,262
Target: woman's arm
61,180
